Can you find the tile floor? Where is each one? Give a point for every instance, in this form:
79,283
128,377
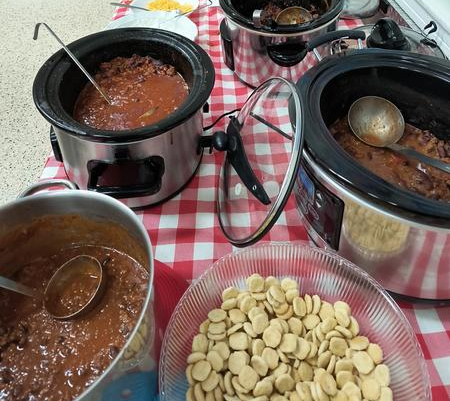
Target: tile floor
24,143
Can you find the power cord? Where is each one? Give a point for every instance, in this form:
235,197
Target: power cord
219,118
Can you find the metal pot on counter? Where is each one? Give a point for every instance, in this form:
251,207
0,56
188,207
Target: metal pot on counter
401,237
258,50
141,166
32,229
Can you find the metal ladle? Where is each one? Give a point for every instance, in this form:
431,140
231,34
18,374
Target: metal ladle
59,289
75,60
146,9
378,122
293,15
116,4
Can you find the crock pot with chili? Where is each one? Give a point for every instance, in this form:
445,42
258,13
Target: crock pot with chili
398,169
142,92
271,10
46,359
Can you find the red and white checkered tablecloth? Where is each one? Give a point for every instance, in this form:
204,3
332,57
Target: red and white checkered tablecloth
185,231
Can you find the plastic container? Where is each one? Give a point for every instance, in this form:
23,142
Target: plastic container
318,272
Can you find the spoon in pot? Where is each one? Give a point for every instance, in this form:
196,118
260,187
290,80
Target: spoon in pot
73,290
75,60
128,6
378,122
293,15
146,9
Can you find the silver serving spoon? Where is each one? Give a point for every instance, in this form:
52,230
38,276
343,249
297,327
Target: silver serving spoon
60,298
293,15
146,9
129,6
71,55
378,122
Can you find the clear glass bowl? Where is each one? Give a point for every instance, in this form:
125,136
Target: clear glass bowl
318,272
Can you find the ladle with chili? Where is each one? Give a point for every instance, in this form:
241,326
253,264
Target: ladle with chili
293,15
378,122
73,290
72,56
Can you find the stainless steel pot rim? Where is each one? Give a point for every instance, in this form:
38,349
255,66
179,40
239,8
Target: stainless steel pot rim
62,195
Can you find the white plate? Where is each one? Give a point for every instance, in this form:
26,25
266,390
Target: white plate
143,3
160,20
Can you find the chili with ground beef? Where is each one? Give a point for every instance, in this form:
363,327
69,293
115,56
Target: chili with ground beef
398,169
142,92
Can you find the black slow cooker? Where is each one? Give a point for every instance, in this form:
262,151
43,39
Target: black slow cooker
140,166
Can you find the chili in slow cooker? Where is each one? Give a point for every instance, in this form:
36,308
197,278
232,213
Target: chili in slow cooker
398,169
142,90
271,10
46,359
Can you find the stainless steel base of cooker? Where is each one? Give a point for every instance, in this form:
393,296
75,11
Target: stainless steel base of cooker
138,173
404,255
257,56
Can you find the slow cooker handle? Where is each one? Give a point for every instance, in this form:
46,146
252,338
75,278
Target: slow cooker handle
39,186
335,35
231,143
227,45
238,159
55,145
109,177
289,54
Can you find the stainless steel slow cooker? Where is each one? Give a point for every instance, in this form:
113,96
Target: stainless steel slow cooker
99,216
256,52
279,143
140,166
401,238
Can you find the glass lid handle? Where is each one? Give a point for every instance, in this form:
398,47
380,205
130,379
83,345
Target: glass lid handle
432,28
231,142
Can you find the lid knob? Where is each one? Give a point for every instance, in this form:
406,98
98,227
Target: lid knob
386,34
220,141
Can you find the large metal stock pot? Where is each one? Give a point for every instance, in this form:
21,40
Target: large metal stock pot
97,215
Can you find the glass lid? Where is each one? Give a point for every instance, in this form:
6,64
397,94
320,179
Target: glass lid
387,34
263,147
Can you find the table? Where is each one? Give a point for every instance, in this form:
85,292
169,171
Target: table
185,231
